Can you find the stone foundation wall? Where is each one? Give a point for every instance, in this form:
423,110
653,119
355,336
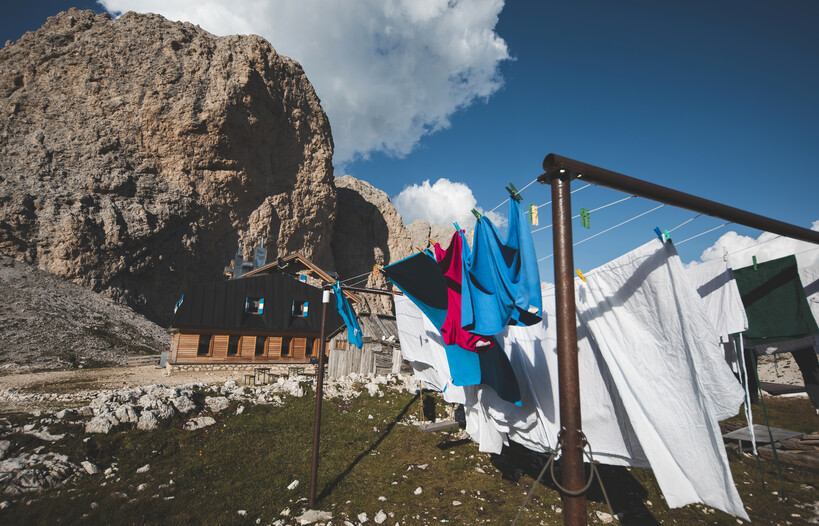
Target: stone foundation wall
277,369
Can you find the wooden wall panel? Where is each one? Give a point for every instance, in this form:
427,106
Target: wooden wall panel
299,347
174,346
274,347
247,346
188,343
220,345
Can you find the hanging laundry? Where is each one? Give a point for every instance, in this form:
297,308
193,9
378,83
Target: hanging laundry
421,280
779,317
809,276
775,302
423,348
714,281
501,281
649,369
354,334
451,265
649,325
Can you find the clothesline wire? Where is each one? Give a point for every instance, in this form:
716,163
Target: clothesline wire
683,224
356,277
590,211
703,233
608,229
573,192
752,246
502,221
362,280
533,181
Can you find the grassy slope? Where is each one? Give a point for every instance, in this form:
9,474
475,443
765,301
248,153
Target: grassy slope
246,462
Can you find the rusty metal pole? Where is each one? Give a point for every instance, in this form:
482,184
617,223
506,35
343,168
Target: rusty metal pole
325,300
573,473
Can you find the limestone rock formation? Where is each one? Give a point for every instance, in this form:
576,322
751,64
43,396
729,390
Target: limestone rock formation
369,232
135,153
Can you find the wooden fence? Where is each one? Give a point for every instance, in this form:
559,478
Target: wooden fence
373,358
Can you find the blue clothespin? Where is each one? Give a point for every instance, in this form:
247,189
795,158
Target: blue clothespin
457,228
662,234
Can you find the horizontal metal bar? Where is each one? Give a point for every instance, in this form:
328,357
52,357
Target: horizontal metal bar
556,165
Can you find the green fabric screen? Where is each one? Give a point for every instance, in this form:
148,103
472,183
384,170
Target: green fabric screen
775,302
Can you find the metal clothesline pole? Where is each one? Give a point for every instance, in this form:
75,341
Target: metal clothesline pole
325,300
560,171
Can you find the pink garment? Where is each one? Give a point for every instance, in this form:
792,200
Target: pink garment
451,266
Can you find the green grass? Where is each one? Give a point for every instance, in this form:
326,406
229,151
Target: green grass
246,462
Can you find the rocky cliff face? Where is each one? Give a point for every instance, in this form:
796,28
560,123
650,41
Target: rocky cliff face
135,153
369,232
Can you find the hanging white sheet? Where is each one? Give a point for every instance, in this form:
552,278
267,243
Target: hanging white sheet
651,329
810,281
423,347
715,283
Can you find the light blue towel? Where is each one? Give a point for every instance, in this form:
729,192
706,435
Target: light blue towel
354,334
501,281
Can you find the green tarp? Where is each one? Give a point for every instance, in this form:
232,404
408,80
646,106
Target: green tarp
775,302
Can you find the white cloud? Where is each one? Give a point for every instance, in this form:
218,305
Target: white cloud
766,247
387,71
441,203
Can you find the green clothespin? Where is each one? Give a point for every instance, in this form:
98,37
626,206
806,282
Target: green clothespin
476,214
513,192
585,221
754,258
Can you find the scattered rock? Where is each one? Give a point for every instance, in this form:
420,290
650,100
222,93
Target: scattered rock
183,404
89,468
144,469
362,518
100,424
293,485
147,420
198,423
456,503
216,403
380,517
242,513
604,517
418,490
311,516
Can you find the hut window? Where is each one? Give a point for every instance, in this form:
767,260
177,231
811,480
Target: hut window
286,345
204,345
260,346
341,344
254,305
233,345
308,348
299,309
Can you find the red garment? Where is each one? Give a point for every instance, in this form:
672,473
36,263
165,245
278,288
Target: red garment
451,265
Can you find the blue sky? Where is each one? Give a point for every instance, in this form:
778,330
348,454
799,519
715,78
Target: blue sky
718,99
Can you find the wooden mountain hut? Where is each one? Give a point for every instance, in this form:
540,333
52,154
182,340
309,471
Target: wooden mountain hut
269,315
